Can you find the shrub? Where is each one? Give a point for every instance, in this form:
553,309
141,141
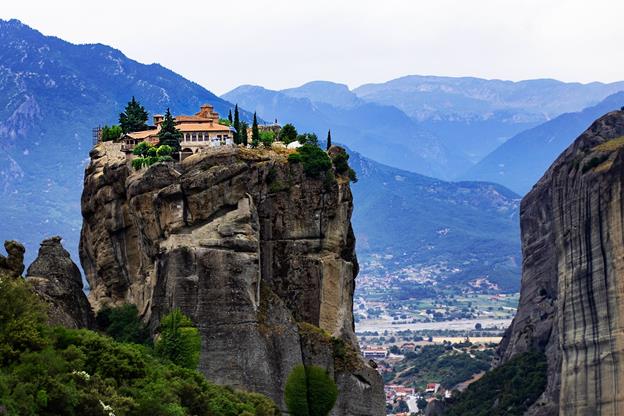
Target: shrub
593,162
310,138
267,138
310,391
315,161
341,164
179,340
142,149
123,324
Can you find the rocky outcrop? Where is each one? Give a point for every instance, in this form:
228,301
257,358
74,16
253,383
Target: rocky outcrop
572,297
57,280
260,256
13,264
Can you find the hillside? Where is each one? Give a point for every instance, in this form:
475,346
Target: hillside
404,220
522,160
475,115
53,94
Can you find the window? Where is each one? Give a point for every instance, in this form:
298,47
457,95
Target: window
193,137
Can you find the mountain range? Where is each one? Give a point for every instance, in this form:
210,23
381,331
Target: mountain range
407,214
523,159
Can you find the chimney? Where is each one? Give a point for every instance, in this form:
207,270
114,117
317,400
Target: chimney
158,118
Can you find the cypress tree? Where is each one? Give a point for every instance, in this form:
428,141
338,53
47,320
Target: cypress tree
237,126
255,132
242,137
168,133
230,116
134,117
328,139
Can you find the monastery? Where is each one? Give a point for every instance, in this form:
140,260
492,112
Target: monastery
199,131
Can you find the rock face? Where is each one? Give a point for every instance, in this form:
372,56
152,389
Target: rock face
572,297
13,264
260,256
56,278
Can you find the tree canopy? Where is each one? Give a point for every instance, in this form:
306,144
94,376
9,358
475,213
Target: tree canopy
288,133
255,132
134,117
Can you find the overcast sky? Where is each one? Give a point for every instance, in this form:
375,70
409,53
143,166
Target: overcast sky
285,43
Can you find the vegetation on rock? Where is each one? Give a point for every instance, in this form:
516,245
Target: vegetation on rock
507,390
314,160
179,341
310,391
123,324
111,133
148,154
56,371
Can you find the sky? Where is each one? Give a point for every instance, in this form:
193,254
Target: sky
285,43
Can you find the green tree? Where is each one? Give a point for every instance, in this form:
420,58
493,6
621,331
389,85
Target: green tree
169,135
123,324
142,149
242,137
315,160
255,132
310,138
164,150
179,340
230,117
288,133
329,143
310,391
134,117
111,133
237,125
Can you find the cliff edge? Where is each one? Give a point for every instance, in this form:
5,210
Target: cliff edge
572,296
260,256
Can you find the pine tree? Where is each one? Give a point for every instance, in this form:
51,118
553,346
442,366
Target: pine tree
255,132
237,126
168,133
328,139
243,133
230,116
134,117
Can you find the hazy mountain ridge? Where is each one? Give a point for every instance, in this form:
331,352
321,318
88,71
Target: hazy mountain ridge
381,132
471,226
521,161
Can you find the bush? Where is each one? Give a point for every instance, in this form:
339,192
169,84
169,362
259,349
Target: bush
315,161
267,138
123,324
310,391
179,340
310,138
341,164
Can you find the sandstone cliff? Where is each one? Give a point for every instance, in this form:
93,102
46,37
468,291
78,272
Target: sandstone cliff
260,256
572,297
